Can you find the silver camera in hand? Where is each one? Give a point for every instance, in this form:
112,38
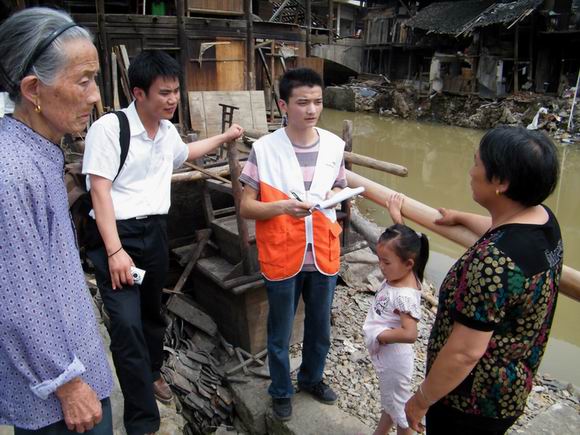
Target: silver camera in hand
138,275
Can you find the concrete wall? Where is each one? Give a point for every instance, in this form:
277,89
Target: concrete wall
347,52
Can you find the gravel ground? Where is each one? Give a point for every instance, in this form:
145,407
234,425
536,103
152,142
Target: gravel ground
349,369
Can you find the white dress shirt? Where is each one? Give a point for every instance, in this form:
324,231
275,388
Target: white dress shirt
143,186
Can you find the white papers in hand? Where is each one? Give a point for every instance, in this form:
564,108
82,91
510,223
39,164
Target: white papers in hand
337,198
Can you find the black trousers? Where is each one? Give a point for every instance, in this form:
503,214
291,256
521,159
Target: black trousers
445,420
105,427
137,327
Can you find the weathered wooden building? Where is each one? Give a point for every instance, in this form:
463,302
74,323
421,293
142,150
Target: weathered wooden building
476,46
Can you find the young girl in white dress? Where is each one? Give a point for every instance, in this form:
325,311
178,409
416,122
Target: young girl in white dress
390,328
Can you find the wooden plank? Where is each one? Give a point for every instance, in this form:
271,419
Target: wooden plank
116,104
216,6
230,74
208,173
197,114
202,238
205,111
184,308
123,66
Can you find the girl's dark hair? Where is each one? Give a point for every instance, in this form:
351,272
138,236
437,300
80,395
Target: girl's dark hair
408,244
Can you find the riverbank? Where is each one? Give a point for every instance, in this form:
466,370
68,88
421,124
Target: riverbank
402,100
350,370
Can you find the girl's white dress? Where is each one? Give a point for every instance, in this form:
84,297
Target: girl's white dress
394,362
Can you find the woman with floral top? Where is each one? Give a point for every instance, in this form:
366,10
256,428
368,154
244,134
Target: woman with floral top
497,302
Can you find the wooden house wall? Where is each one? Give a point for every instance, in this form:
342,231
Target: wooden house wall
222,67
236,6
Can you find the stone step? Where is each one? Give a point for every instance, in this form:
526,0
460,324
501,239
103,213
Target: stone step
309,417
559,419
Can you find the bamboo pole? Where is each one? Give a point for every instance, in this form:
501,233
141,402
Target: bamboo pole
352,158
425,216
379,165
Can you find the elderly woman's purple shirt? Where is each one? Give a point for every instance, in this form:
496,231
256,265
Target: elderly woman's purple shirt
48,330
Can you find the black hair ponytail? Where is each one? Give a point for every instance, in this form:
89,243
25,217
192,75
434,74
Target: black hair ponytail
423,257
408,244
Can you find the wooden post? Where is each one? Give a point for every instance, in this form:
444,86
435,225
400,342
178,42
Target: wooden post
308,23
345,206
184,61
475,64
338,19
531,49
270,79
330,21
250,50
105,53
516,59
389,75
273,75
237,191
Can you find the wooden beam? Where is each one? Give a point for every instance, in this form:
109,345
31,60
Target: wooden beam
184,63
243,231
516,59
114,82
198,176
330,21
105,52
308,23
345,206
354,158
208,173
202,239
250,51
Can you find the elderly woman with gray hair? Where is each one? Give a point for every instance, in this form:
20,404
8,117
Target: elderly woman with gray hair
54,375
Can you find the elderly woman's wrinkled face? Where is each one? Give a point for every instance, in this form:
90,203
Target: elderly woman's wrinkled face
66,105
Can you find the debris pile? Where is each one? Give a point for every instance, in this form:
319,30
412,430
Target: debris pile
194,367
404,100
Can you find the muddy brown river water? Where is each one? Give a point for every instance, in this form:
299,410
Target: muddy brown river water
438,158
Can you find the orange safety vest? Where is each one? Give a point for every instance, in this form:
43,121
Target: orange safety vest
282,240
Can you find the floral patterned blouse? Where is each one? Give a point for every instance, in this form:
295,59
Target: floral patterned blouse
507,282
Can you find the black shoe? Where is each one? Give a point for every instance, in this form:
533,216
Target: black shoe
282,408
321,392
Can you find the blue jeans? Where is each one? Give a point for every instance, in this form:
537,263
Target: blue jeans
105,427
317,291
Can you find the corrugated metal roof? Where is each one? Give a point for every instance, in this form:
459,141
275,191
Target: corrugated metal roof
295,13
459,17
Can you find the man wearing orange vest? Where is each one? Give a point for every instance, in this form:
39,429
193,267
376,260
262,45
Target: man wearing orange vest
289,171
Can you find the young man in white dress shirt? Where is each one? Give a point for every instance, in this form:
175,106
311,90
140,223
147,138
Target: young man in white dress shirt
130,210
